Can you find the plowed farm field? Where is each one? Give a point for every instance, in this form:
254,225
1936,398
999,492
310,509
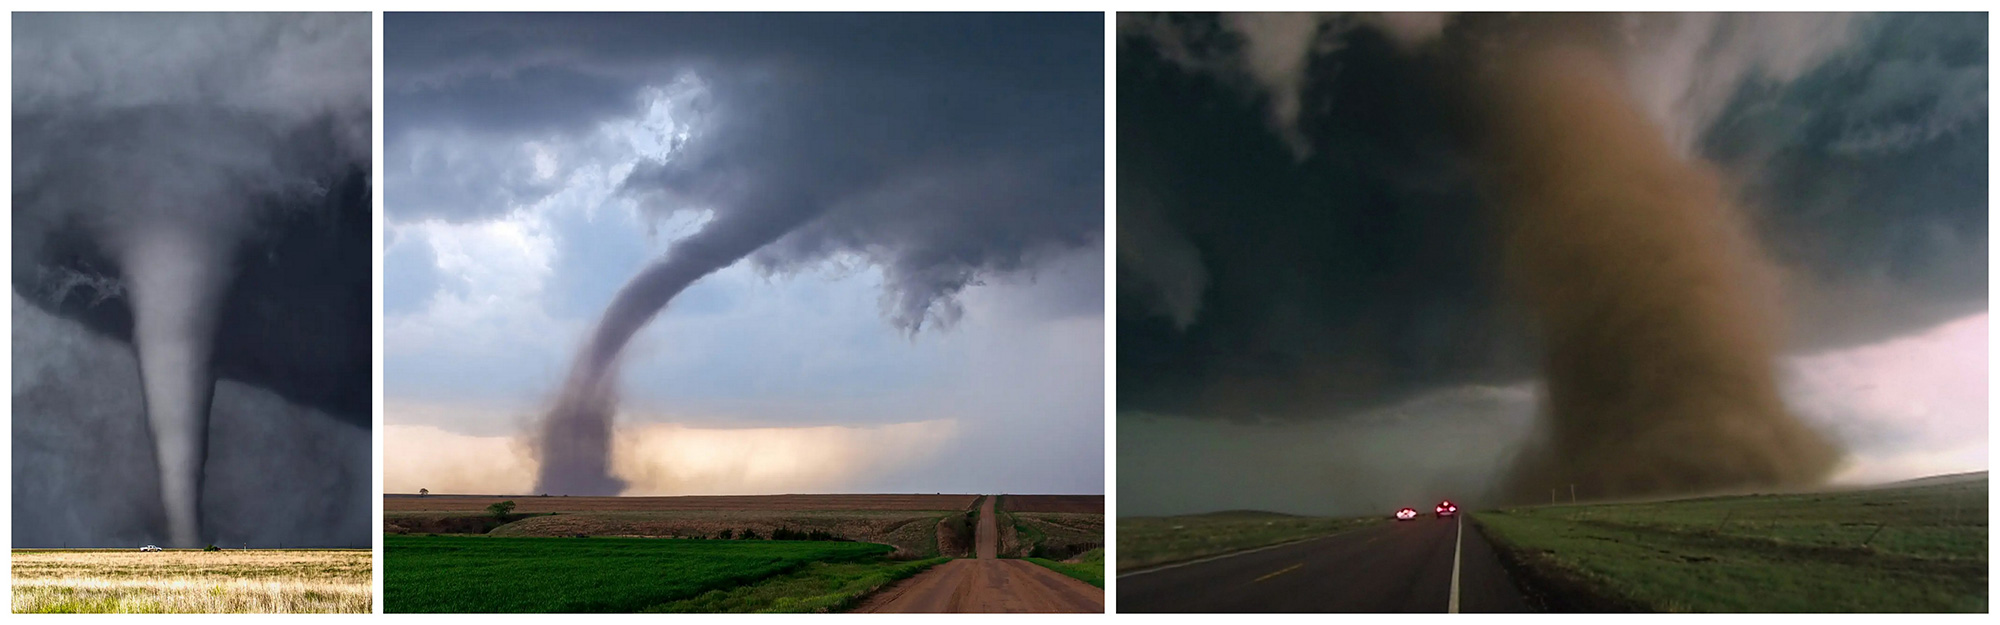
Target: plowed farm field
1081,504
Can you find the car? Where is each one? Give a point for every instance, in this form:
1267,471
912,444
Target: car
1406,514
151,548
1447,508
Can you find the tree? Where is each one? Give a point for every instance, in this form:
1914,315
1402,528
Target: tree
423,491
501,510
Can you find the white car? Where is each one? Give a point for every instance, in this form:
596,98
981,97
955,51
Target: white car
1406,514
151,548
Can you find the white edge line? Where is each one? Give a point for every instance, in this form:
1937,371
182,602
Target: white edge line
1233,554
1457,548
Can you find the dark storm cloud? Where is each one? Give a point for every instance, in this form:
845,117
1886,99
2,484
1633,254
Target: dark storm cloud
1262,275
203,119
1869,175
194,189
944,149
1355,274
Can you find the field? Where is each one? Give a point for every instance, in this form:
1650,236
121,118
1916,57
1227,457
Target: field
1054,535
818,587
909,523
1051,527
1905,549
1150,541
497,574
912,535
691,554
1078,504
190,581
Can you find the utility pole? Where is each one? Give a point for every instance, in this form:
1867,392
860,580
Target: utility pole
1572,494
1552,496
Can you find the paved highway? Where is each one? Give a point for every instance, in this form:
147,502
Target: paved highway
1425,565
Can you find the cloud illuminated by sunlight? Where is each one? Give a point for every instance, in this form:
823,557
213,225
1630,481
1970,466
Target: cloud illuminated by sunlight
666,459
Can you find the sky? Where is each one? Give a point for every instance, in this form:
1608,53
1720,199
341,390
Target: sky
1313,315
933,323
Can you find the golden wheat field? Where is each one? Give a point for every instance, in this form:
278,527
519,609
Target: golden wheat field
193,581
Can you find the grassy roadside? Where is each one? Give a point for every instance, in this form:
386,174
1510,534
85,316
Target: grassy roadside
1917,549
1088,566
818,587
1151,541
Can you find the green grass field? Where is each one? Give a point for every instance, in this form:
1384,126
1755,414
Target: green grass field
816,587
1148,541
1912,549
498,574
1087,566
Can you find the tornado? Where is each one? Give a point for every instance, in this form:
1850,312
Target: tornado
1657,311
176,147
177,277
575,437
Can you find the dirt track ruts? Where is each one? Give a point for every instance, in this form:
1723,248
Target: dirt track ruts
987,584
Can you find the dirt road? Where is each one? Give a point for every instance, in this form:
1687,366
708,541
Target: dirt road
987,584
986,539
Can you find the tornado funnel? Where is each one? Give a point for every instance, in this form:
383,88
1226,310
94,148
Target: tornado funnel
575,438
1654,301
177,276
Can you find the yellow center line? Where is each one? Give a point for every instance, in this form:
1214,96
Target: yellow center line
1281,572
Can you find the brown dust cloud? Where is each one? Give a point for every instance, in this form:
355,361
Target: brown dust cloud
1656,309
